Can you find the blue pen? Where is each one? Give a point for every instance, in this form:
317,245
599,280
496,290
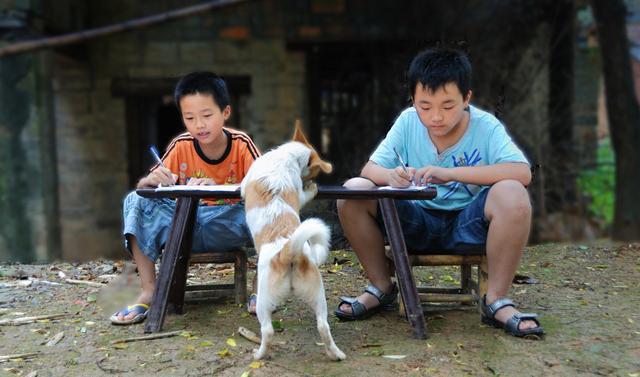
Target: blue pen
156,155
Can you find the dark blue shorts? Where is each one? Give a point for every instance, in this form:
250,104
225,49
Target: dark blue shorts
427,231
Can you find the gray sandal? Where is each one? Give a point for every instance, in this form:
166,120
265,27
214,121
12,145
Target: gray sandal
359,311
512,326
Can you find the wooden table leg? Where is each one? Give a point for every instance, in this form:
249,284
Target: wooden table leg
175,261
404,274
240,277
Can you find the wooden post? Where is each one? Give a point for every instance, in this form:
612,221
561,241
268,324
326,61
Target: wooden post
483,280
465,281
240,276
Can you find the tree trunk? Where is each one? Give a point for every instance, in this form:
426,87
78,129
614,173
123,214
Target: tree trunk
562,175
623,113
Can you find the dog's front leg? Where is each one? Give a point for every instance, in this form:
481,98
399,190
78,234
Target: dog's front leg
309,191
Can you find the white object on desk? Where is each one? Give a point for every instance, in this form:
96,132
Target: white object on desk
229,188
410,188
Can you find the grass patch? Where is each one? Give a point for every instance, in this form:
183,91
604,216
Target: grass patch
598,184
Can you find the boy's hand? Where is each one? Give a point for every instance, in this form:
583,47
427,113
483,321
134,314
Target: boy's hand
433,174
399,178
161,176
200,182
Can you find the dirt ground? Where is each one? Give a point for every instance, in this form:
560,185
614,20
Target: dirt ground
586,295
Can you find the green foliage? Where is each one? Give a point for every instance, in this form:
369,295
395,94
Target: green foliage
599,184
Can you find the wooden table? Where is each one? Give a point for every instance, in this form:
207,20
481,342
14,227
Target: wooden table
170,285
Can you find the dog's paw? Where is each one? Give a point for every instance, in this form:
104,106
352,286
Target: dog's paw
260,353
311,187
336,354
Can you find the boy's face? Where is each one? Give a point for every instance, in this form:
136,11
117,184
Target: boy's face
441,110
202,117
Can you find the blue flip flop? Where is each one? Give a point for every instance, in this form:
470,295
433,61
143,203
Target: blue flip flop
253,298
140,309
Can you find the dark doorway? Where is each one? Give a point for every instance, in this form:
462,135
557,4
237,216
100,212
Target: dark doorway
169,122
355,91
153,118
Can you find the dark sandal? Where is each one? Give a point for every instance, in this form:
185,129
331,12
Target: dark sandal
512,326
359,311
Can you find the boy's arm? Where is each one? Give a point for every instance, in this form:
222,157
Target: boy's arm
478,175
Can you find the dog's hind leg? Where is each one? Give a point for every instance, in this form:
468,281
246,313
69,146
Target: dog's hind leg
263,310
318,302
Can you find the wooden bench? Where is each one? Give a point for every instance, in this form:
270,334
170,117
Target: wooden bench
171,282
205,292
468,292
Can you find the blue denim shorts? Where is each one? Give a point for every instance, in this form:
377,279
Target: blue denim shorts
425,231
218,228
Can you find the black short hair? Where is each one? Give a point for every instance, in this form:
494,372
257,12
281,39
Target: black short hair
436,67
202,83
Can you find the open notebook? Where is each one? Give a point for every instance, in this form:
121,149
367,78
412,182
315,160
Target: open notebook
229,188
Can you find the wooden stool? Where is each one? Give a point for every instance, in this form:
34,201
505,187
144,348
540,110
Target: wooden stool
204,292
470,291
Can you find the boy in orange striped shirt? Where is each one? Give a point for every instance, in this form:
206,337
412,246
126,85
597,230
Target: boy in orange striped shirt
207,154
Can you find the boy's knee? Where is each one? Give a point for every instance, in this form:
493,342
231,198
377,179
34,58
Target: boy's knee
512,196
357,183
131,198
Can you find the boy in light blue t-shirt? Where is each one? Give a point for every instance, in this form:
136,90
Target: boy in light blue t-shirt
480,175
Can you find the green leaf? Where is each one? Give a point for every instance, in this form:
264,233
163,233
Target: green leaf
224,353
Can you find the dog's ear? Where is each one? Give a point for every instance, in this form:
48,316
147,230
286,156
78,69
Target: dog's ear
323,165
317,164
298,135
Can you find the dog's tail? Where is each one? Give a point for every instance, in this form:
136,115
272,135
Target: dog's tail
318,234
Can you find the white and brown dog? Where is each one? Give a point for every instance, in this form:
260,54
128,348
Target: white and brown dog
277,185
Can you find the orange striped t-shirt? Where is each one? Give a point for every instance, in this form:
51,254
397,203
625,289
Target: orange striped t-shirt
185,159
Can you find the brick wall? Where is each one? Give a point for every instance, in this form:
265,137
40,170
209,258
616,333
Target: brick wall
90,145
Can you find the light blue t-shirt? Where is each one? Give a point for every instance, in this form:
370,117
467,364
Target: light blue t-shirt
485,142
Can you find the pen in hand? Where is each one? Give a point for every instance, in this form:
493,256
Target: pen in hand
404,167
156,156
